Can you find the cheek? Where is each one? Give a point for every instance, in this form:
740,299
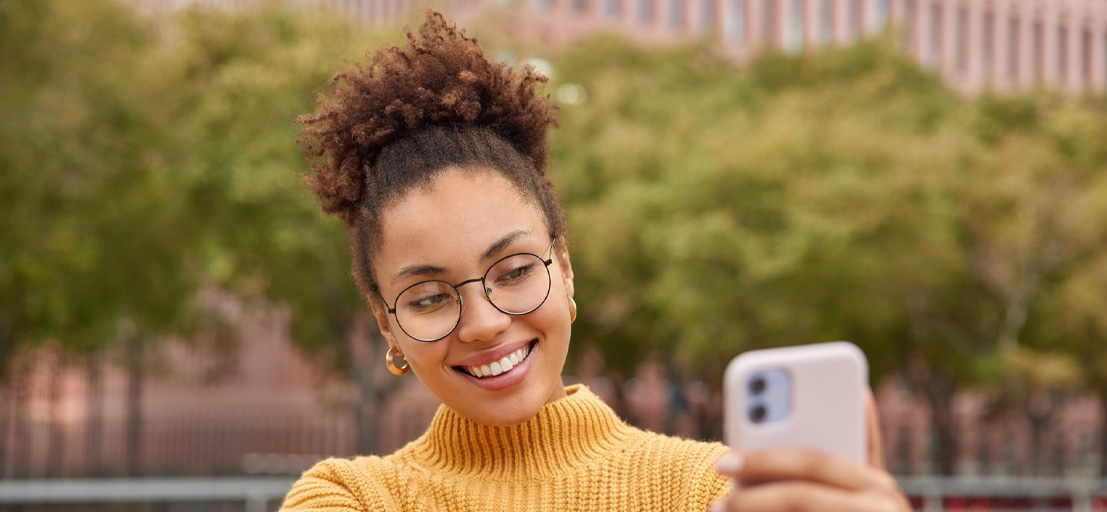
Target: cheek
554,316
423,356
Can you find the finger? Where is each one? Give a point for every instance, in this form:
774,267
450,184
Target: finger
805,496
876,438
752,468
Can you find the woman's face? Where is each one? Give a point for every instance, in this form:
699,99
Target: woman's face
454,230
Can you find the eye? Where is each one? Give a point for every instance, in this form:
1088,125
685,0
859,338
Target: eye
429,303
515,275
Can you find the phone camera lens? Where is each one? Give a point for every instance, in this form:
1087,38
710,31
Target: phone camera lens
757,385
758,413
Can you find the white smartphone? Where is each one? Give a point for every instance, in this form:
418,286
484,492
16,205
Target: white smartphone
808,396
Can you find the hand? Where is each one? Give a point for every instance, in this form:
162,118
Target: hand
800,480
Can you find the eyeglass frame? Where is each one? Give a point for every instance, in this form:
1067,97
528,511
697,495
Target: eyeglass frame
484,288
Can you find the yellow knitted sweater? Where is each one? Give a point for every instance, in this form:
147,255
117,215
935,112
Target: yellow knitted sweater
575,455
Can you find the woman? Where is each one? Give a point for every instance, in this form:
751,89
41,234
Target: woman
435,159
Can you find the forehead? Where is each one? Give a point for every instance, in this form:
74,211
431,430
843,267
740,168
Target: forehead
452,220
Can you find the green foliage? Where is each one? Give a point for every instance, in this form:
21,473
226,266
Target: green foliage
839,194
147,159
87,200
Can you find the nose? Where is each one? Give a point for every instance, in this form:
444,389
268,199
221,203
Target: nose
480,320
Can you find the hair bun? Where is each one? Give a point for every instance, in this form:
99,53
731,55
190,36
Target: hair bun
440,78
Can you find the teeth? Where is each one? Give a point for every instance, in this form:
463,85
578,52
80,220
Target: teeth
503,365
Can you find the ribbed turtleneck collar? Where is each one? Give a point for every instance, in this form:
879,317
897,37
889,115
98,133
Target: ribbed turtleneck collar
564,433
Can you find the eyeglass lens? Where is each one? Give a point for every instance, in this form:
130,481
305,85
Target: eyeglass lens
515,285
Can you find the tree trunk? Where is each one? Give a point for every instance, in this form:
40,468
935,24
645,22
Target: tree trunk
1037,425
938,388
94,416
369,399
21,401
7,413
1039,411
56,443
135,375
1103,431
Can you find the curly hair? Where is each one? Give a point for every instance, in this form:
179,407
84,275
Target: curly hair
412,112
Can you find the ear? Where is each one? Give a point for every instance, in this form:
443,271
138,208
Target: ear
566,270
381,314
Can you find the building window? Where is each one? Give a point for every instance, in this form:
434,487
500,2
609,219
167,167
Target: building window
1063,55
1014,51
645,12
770,22
676,14
880,15
611,9
794,36
989,47
854,19
961,39
734,21
826,21
934,45
707,16
910,33
1086,58
1038,54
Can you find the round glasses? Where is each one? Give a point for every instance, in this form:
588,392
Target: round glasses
516,285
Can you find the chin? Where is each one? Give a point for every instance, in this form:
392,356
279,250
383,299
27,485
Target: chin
509,411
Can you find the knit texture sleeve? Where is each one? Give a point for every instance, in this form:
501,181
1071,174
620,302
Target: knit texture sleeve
674,474
706,485
341,485
713,485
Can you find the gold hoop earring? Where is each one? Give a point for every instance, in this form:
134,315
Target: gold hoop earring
572,310
390,362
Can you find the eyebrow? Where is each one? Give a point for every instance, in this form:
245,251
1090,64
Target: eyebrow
503,243
415,271
497,247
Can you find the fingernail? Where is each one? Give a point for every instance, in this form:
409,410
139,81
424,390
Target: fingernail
729,463
716,507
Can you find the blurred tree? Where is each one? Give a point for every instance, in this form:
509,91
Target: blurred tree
152,158
245,76
1070,321
93,236
837,194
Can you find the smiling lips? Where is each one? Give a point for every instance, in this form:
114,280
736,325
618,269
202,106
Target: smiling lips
504,365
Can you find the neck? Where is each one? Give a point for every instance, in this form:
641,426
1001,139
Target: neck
558,393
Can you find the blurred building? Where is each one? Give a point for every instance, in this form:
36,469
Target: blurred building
1002,45
998,45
